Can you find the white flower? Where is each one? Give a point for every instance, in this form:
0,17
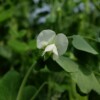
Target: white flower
50,42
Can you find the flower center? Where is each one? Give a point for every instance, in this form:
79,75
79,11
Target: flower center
51,48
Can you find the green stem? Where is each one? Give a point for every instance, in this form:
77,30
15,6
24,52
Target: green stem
49,88
72,92
90,39
70,37
34,96
24,81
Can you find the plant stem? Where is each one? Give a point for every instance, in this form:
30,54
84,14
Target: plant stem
24,81
89,38
72,92
34,96
49,88
70,37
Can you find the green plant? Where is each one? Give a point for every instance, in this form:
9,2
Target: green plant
67,66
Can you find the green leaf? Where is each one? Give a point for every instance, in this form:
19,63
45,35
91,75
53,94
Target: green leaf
32,44
18,45
86,81
9,85
67,64
22,33
51,17
17,34
5,14
80,44
5,52
28,92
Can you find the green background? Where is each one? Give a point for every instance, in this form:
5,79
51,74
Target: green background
20,23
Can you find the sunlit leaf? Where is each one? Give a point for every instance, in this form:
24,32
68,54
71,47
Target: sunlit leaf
86,81
18,45
4,15
15,34
67,64
80,44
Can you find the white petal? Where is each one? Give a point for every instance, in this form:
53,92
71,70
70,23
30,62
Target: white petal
55,50
51,48
61,43
45,37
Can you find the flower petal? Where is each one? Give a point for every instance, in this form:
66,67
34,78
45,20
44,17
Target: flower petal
61,43
45,37
51,48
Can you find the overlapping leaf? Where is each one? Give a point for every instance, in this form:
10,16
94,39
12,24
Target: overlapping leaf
67,64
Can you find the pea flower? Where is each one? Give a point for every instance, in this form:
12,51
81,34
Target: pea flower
50,42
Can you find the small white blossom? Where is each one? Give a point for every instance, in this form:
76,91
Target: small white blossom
50,42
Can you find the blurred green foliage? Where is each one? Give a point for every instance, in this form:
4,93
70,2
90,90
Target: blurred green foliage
20,23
